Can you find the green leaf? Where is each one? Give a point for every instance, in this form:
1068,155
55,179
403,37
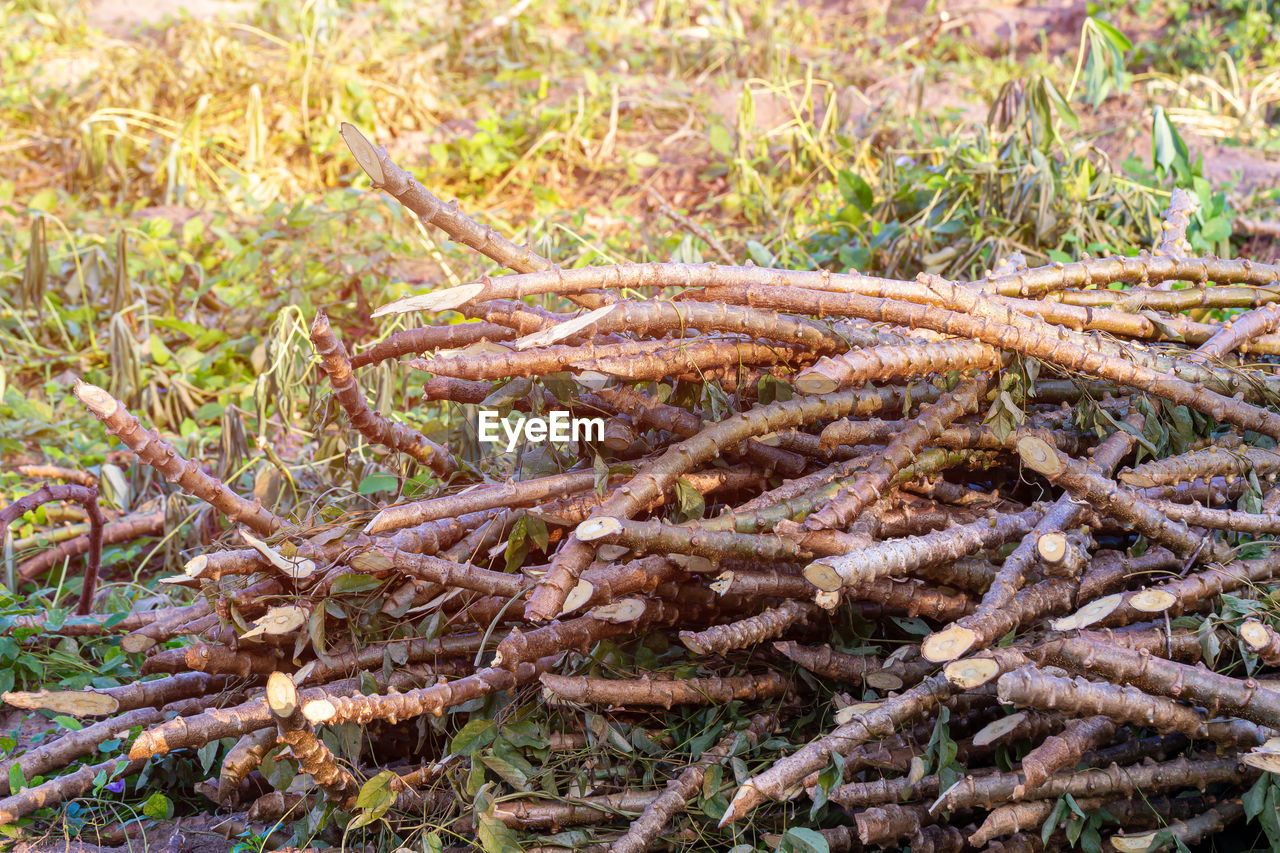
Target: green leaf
1216,229
354,583
562,386
280,772
475,734
1061,106
536,530
771,389
721,140
506,770
69,723
1256,797
1090,839
1268,817
913,625
158,807
495,836
801,839
159,352
1162,326
1168,151
1117,39
377,796
690,503
1075,825
942,750
600,471
378,481
760,255
522,734
1163,150
1051,823
368,684
17,781
206,754
518,544
505,397
43,201
855,190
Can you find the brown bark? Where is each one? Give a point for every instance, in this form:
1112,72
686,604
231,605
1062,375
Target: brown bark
1063,751
58,753
159,454
1030,687
657,477
426,700
444,572
58,472
1218,693
719,639
522,493
241,760
661,693
900,556
64,788
658,813
126,697
828,663
1262,640
418,341
1173,597
1111,570
884,363
239,720
981,628
87,497
370,424
992,789
849,503
775,782
313,757
1089,485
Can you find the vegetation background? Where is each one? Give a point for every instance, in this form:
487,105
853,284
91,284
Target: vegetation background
175,204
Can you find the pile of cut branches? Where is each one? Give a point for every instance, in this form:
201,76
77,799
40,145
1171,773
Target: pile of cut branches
855,562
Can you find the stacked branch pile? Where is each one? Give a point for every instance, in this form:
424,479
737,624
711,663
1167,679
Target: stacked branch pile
938,554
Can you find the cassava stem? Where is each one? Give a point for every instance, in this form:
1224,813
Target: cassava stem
159,454
370,424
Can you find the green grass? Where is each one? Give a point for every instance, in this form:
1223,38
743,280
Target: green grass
176,204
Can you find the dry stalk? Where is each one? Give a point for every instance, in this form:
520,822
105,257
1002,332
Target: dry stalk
1033,688
868,509
660,693
313,757
370,424
747,632
159,454
87,497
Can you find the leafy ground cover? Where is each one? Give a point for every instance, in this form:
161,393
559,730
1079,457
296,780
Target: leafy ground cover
177,204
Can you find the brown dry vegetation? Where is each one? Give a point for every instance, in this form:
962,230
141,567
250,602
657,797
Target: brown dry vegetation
520,650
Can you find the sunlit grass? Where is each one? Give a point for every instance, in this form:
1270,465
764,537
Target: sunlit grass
176,204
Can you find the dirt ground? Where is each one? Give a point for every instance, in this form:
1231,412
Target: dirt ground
1053,25
122,19
201,834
